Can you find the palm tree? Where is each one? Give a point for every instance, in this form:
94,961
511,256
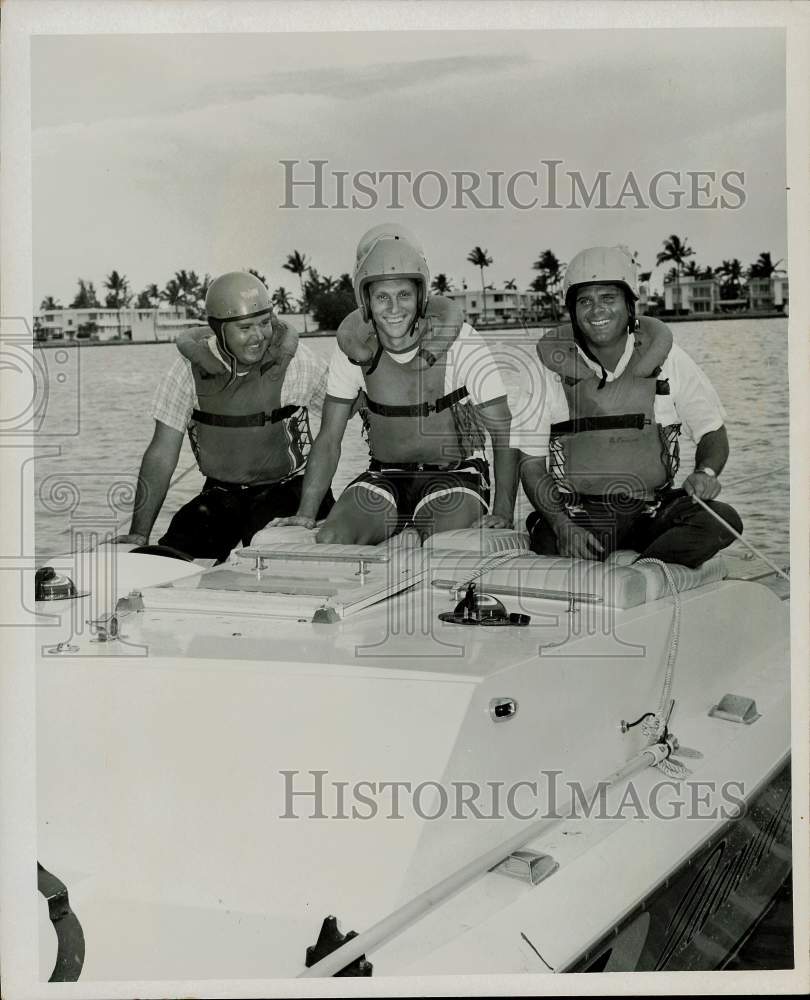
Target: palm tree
186,289
764,267
692,270
676,250
190,283
49,303
441,284
119,294
297,263
85,297
255,273
732,273
148,298
205,284
480,259
511,284
551,272
540,284
172,293
281,300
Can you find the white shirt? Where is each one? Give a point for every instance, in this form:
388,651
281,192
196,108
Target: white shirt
540,400
469,363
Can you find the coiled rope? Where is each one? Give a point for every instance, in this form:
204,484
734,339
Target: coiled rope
654,726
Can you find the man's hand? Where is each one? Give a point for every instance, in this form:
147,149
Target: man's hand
493,521
294,521
698,484
577,542
132,539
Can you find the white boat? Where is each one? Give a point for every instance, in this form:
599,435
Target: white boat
202,750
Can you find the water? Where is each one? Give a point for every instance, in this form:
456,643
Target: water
97,426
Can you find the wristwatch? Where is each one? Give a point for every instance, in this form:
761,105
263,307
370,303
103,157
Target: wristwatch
707,471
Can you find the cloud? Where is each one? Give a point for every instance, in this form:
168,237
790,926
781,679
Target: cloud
154,154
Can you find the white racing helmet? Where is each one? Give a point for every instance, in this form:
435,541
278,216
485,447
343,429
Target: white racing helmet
601,265
390,251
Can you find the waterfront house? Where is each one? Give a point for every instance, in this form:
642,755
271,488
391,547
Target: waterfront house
504,306
100,324
769,293
692,295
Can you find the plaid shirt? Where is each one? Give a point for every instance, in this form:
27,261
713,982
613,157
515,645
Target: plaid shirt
175,397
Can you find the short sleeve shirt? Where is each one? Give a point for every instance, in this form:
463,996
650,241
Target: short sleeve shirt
176,397
540,401
469,363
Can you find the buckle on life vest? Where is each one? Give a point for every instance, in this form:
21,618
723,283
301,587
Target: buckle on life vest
244,419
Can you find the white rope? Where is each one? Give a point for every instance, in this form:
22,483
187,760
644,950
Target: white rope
655,728
674,633
740,538
493,562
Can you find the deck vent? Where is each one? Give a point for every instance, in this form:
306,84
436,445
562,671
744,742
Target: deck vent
735,708
528,866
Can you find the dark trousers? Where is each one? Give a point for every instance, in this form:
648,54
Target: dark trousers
680,531
224,514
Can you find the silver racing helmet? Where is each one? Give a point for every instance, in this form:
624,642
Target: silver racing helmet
390,251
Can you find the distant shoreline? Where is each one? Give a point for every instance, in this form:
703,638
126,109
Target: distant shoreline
714,318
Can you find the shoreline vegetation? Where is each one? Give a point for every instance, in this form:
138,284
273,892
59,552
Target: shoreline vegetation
488,328
689,291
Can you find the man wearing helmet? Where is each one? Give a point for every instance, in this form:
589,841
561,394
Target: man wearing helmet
428,391
242,393
600,452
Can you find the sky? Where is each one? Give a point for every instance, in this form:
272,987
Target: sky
157,152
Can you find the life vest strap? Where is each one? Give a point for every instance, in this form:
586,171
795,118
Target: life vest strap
370,365
418,409
244,419
608,423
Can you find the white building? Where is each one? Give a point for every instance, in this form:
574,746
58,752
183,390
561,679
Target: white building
769,293
504,306
692,295
102,324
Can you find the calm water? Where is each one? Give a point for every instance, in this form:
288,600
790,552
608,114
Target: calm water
96,426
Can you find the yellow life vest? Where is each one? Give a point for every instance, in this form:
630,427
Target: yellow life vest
435,333
557,349
239,432
409,418
611,445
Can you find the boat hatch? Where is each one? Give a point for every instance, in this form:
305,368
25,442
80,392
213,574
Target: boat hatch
294,580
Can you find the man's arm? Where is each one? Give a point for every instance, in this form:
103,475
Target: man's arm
497,419
541,489
321,464
711,453
158,463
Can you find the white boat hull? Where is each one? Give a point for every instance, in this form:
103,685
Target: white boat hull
163,800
